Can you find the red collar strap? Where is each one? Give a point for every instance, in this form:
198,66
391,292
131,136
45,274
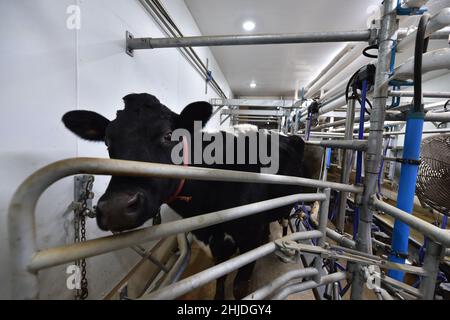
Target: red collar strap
176,195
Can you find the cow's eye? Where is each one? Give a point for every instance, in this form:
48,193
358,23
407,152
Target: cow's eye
168,136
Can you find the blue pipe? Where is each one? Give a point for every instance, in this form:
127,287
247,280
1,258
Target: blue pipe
406,189
444,222
328,158
359,154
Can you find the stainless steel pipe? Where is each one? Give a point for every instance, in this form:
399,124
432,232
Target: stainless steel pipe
433,255
426,94
188,284
58,255
435,233
386,40
255,39
341,144
270,288
296,288
347,164
23,204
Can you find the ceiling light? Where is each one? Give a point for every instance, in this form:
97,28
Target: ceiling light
248,25
252,85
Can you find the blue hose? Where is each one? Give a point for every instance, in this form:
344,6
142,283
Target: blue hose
444,222
406,189
328,158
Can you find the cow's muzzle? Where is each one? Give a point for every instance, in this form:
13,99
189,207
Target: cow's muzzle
121,211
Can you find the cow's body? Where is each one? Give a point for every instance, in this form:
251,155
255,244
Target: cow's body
127,201
247,233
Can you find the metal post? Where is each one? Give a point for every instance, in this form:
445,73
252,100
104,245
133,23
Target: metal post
389,26
433,255
347,161
323,220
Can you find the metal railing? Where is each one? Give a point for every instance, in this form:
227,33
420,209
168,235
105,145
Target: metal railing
27,260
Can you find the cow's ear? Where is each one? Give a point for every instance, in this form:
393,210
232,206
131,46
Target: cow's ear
197,111
87,125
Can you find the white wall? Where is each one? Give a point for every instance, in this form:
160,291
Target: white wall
47,70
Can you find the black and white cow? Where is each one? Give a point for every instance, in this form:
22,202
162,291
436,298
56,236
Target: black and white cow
142,131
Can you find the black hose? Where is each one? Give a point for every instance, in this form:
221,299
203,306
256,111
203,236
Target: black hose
420,49
369,55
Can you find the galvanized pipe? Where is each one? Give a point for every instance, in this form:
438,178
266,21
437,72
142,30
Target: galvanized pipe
433,255
347,163
341,144
340,239
23,204
400,285
441,34
389,26
396,133
390,116
328,106
188,284
296,288
426,94
323,218
429,116
58,255
180,265
437,234
255,39
390,133
274,285
322,227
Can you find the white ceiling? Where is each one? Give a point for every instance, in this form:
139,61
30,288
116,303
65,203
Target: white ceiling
276,69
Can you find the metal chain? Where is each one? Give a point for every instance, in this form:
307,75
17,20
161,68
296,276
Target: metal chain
80,236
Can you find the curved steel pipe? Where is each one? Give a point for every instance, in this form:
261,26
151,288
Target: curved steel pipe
177,289
269,288
300,287
435,233
23,204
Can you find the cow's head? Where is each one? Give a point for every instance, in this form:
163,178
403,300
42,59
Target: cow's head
140,132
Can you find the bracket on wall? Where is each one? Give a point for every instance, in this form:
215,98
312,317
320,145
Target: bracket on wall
128,50
83,193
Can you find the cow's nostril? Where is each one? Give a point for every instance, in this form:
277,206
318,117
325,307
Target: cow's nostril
135,203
